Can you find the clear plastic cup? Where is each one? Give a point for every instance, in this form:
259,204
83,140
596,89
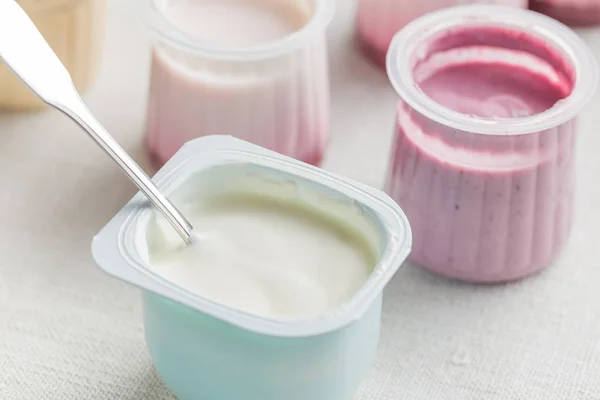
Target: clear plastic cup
572,12
379,20
272,91
485,172
205,350
75,31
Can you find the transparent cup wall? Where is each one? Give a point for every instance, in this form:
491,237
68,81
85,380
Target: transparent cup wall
75,31
379,20
488,199
571,12
275,95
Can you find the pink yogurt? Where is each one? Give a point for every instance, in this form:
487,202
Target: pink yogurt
483,159
254,69
571,12
379,20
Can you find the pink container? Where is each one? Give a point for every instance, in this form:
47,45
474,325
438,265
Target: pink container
379,20
571,12
255,69
483,159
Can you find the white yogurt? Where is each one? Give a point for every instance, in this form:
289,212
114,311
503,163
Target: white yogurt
267,257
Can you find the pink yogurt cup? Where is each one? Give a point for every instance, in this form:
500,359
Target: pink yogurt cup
274,94
379,20
489,196
572,12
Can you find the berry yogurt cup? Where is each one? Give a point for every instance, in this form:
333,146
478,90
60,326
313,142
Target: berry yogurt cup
483,159
379,20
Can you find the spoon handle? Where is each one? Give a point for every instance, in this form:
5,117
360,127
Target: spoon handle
25,51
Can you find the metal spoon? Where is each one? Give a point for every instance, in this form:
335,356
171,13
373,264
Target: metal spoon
30,57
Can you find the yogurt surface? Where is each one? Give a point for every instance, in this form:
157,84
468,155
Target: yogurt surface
264,256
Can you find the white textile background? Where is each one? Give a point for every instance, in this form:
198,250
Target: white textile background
68,332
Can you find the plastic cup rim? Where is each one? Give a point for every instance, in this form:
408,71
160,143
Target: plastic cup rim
166,32
562,38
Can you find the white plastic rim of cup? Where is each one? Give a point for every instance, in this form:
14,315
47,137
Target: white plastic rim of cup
409,40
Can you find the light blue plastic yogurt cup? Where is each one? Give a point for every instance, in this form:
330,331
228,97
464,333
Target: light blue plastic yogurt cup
205,350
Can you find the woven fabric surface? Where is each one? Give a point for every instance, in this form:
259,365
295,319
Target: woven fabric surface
69,332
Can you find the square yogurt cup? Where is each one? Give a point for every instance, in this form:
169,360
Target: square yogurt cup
205,350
